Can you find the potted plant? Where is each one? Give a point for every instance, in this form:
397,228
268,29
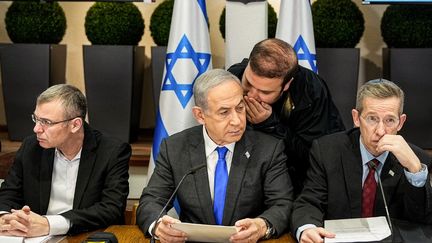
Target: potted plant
271,26
114,68
33,63
407,31
338,27
160,23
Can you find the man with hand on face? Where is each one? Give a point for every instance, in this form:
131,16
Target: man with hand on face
245,182
287,101
341,182
67,178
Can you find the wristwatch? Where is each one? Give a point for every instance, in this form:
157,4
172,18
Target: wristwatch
270,230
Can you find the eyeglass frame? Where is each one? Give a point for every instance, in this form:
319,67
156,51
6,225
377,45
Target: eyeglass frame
48,123
375,123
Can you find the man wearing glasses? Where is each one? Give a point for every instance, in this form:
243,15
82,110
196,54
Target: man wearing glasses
67,178
287,101
341,181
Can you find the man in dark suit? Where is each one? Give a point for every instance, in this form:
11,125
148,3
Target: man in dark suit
287,101
341,181
67,178
258,195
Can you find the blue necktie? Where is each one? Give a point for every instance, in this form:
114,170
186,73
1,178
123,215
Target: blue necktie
220,185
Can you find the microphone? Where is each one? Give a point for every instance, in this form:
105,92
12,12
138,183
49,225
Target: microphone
191,171
373,165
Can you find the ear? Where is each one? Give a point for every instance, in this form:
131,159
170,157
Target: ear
356,117
198,114
402,119
76,124
287,85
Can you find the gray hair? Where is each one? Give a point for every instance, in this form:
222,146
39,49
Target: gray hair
207,81
379,89
72,99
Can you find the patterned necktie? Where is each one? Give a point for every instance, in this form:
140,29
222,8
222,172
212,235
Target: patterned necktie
369,190
220,185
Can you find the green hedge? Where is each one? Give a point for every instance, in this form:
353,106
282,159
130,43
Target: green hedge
405,26
160,22
337,23
114,23
34,22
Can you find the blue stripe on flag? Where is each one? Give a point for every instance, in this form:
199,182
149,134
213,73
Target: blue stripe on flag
202,5
159,134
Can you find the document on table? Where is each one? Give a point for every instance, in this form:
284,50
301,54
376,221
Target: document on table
205,232
41,239
358,229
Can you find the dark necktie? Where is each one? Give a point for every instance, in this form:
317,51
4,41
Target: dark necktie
369,190
220,185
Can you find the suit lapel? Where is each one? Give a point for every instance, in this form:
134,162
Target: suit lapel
353,172
87,161
391,173
46,170
197,157
237,172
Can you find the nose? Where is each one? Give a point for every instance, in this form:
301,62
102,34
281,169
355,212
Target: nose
380,129
235,119
253,93
37,128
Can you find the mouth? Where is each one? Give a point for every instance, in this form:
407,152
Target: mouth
236,132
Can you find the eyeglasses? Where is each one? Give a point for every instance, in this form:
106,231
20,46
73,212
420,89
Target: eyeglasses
48,123
389,121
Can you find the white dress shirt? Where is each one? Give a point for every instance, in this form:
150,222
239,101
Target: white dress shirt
64,177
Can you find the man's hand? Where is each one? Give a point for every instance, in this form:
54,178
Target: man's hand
257,112
25,223
249,230
166,233
315,235
400,148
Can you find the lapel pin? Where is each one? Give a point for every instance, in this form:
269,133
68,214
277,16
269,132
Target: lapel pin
247,154
391,173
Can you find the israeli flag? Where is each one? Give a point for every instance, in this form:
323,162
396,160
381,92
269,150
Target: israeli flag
295,26
188,56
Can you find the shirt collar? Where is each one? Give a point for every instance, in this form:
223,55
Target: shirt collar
59,154
366,156
210,146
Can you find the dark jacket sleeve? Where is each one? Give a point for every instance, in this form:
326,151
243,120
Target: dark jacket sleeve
11,191
309,207
278,191
157,192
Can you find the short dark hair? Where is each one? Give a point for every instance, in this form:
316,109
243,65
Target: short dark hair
273,58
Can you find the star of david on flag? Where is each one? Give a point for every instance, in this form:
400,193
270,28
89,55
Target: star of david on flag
295,27
188,56
200,60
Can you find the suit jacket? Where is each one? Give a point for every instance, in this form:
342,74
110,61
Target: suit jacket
333,188
101,188
314,115
258,184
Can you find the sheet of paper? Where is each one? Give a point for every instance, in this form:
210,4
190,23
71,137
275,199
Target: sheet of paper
41,239
11,239
205,232
358,229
